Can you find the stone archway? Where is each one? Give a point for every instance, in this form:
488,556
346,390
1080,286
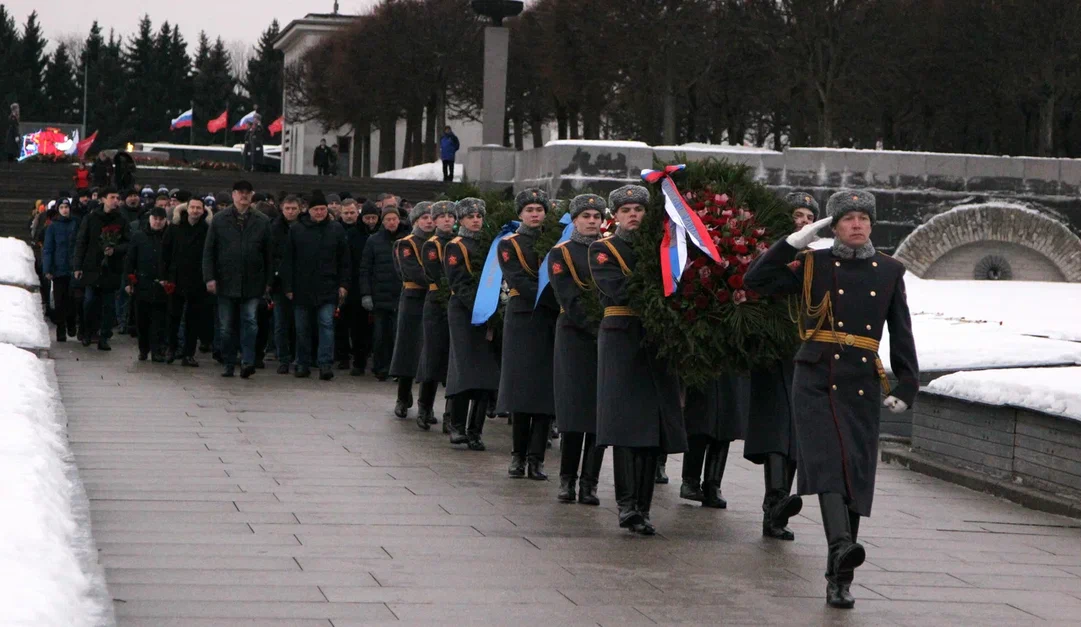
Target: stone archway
989,237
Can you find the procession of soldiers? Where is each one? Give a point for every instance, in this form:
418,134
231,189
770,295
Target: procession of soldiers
814,418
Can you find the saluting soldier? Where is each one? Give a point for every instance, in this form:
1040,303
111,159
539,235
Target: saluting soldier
575,362
771,439
410,336
638,410
436,337
525,385
848,294
713,415
473,374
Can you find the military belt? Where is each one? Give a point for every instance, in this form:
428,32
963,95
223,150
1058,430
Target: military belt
409,285
859,341
513,292
619,310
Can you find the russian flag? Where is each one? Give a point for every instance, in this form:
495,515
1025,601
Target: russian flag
245,122
184,121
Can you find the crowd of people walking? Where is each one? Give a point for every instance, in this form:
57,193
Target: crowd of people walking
326,279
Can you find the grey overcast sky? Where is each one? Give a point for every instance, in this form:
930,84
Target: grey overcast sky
232,20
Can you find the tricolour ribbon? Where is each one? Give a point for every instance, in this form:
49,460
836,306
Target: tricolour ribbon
542,275
682,224
491,279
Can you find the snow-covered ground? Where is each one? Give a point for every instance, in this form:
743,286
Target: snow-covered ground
1049,390
22,320
17,263
46,578
423,172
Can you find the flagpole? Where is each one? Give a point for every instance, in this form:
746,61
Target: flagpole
191,137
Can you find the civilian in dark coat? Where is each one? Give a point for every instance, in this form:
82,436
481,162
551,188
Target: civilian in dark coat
285,331
101,171
315,276
473,374
143,265
525,383
354,338
123,169
850,292
380,288
714,417
237,268
183,262
640,420
575,361
56,265
409,340
98,266
435,353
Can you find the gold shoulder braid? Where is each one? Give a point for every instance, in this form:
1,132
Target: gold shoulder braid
819,312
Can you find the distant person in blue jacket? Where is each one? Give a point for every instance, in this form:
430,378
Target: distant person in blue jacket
56,264
448,147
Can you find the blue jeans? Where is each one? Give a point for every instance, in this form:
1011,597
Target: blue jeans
284,328
99,309
324,314
229,309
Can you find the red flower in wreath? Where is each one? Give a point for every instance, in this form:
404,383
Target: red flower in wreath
557,268
723,296
735,281
452,260
739,297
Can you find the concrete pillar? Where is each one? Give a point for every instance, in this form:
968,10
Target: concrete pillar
496,50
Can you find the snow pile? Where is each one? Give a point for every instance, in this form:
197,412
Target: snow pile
1048,390
17,263
42,582
597,143
701,147
423,172
22,320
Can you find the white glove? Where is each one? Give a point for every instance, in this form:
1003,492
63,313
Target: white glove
802,238
895,405
367,303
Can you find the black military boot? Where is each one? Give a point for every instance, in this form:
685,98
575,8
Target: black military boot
447,414
405,397
716,459
626,486
427,399
778,505
566,488
516,470
476,424
591,472
845,554
459,418
645,465
691,489
425,417
519,435
570,451
662,474
539,430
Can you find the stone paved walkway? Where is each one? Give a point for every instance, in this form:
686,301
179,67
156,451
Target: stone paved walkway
278,501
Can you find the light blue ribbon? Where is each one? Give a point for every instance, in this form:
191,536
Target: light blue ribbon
491,279
542,277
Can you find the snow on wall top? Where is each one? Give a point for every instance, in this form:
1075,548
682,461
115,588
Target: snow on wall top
17,263
22,320
1049,390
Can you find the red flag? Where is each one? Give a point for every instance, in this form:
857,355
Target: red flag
219,122
276,126
84,145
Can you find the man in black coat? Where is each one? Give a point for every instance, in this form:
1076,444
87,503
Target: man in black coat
849,293
99,263
315,276
101,171
321,158
354,336
409,335
525,384
575,360
182,258
237,269
285,333
380,288
638,408
147,285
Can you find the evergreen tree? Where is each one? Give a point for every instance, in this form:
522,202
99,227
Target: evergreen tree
9,48
61,90
30,70
213,86
263,80
143,100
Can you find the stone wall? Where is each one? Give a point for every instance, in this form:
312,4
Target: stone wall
975,261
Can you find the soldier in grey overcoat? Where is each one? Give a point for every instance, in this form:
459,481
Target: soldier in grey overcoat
638,409
714,415
436,336
849,294
409,338
473,375
525,385
575,373
771,438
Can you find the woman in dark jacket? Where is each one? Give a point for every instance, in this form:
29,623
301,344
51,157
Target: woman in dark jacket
56,266
182,258
143,266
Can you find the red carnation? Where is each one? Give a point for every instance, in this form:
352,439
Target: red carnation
741,249
739,297
688,288
723,296
132,279
735,281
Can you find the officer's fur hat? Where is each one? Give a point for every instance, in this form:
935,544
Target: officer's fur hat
849,200
587,201
443,207
419,209
531,196
467,206
626,195
802,200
